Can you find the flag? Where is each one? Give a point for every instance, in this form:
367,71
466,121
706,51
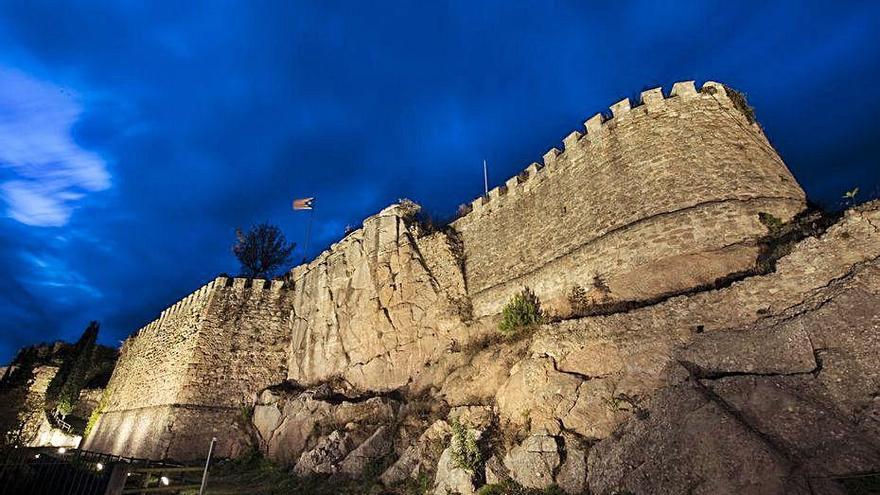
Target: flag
303,204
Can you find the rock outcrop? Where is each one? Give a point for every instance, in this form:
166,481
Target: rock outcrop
370,309
767,385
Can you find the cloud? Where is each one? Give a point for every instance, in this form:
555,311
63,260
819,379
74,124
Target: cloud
50,172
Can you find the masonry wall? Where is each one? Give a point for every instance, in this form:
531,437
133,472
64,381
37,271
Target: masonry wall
678,175
187,376
657,199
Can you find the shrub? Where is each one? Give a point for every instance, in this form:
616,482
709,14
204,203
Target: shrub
772,223
463,308
577,299
464,449
600,285
96,413
741,103
522,311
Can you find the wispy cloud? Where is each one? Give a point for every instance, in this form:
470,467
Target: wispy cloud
50,171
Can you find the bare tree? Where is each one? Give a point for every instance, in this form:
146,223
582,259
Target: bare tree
262,250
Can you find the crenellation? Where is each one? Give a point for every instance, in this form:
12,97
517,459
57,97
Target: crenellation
620,108
571,141
477,204
550,158
637,142
497,192
597,127
718,87
594,125
652,99
533,169
512,184
684,89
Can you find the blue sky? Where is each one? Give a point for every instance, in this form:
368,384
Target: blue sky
136,136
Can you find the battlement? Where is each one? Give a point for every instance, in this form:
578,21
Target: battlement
199,298
668,177
595,129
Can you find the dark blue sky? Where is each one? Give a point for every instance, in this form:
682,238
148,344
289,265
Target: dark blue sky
134,139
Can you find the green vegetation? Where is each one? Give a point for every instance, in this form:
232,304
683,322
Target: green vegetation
96,413
521,312
772,223
464,449
63,391
512,488
577,299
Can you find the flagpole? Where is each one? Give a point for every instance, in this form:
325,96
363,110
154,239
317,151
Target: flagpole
485,178
308,234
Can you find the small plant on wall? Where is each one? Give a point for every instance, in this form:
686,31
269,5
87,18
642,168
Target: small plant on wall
464,449
521,312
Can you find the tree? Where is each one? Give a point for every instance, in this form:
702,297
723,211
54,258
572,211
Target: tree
64,389
262,250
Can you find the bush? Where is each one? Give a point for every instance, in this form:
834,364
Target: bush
772,223
577,299
522,311
96,413
464,449
741,103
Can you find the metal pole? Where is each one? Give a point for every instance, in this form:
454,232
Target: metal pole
485,179
207,463
308,234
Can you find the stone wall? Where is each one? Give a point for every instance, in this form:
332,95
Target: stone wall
190,374
657,200
648,191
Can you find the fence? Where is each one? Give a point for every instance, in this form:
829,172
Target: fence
54,471
60,471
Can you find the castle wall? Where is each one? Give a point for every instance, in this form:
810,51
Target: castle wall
187,376
680,175
658,199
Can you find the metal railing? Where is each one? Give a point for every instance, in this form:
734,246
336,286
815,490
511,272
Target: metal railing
60,423
61,471
55,471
